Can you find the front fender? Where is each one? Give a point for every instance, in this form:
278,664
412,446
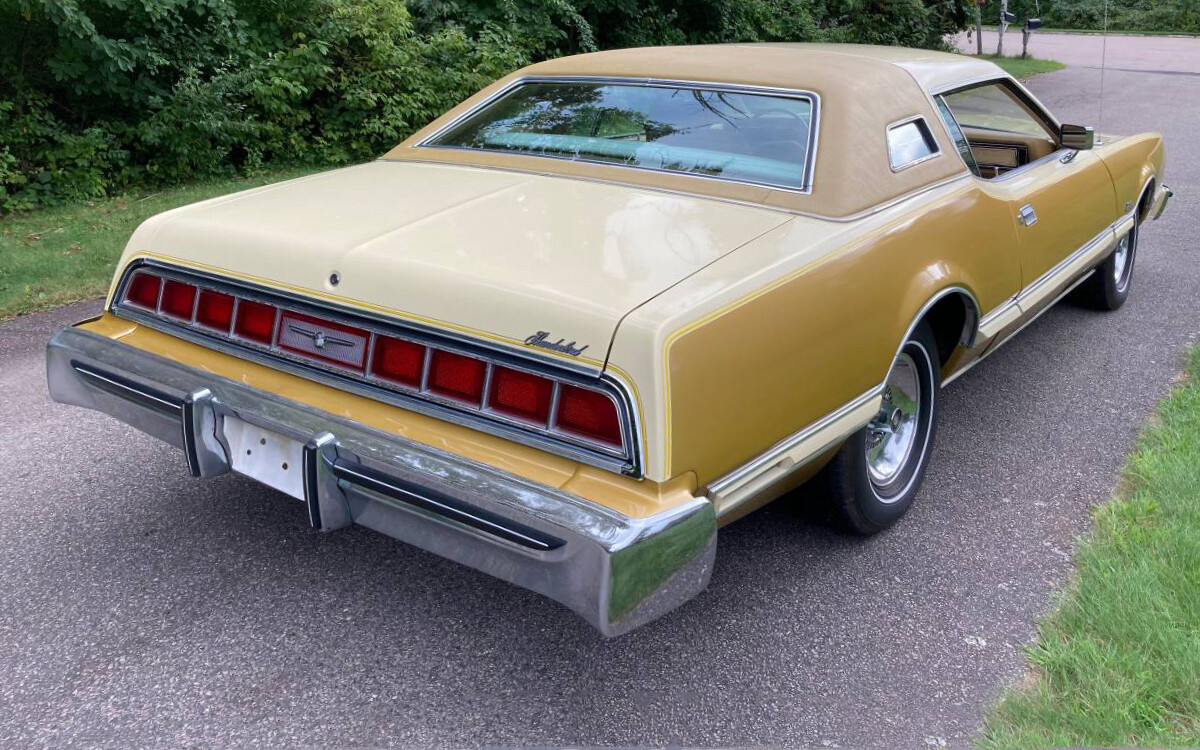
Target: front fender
1132,163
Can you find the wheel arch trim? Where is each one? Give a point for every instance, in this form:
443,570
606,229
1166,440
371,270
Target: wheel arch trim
1147,190
971,322
803,446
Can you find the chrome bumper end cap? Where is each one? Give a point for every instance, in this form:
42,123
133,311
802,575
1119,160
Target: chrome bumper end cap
615,571
1164,195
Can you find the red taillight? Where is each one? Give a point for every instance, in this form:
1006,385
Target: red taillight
178,299
577,413
457,376
255,321
588,414
520,394
215,310
143,290
398,361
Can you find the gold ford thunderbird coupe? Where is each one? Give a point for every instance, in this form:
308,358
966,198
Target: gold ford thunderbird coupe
613,301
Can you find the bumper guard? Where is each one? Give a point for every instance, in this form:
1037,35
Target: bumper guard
614,571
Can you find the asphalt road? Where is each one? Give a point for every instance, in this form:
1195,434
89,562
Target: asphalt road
139,607
1170,55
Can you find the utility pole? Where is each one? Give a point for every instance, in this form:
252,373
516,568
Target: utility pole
979,27
1003,26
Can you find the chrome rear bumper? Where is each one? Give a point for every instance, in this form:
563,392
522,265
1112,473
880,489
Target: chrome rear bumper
615,571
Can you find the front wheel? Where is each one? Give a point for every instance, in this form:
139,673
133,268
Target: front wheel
1108,287
873,479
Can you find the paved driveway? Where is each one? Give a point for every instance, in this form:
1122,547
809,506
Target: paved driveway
141,608
1170,55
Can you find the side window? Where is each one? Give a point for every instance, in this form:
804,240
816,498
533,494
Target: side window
1003,130
956,134
910,142
994,107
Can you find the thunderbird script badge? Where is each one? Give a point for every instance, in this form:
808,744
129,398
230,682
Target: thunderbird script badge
541,339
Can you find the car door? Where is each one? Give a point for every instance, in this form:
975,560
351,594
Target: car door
1060,199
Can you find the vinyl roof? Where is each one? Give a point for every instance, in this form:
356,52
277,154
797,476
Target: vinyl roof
861,90
778,64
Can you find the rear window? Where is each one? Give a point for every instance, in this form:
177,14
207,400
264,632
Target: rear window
733,135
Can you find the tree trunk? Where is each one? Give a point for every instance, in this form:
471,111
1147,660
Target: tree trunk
978,30
1000,40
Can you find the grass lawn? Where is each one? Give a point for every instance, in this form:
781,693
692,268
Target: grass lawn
54,256
1024,67
1118,665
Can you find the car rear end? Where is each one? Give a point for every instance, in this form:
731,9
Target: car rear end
518,466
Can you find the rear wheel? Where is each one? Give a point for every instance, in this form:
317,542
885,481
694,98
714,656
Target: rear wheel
1108,287
873,479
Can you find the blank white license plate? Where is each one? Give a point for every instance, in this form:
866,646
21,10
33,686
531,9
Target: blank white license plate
269,457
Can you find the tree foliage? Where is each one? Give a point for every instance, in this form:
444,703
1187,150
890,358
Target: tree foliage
96,95
1180,16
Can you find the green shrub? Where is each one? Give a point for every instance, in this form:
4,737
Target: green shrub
550,28
98,95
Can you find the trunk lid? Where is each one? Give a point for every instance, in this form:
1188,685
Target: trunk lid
509,256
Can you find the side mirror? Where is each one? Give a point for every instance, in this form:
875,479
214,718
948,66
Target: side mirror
1078,137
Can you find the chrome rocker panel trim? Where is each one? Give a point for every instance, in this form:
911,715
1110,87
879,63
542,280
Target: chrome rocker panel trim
792,453
614,571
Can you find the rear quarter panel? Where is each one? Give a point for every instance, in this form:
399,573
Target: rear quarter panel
802,321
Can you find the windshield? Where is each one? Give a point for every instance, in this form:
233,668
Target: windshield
759,138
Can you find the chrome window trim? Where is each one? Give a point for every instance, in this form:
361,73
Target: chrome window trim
1013,85
1048,120
937,147
806,172
1027,166
627,460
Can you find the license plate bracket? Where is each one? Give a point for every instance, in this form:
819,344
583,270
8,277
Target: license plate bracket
268,457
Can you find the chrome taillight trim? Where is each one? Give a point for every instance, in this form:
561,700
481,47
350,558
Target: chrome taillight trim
626,459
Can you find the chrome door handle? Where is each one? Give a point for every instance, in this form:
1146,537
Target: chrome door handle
1027,216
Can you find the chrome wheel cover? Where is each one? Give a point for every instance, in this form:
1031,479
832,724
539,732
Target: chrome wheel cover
1123,259
893,432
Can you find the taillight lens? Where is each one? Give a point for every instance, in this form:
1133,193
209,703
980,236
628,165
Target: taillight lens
398,361
588,414
143,290
521,394
576,413
215,310
255,321
457,376
178,299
